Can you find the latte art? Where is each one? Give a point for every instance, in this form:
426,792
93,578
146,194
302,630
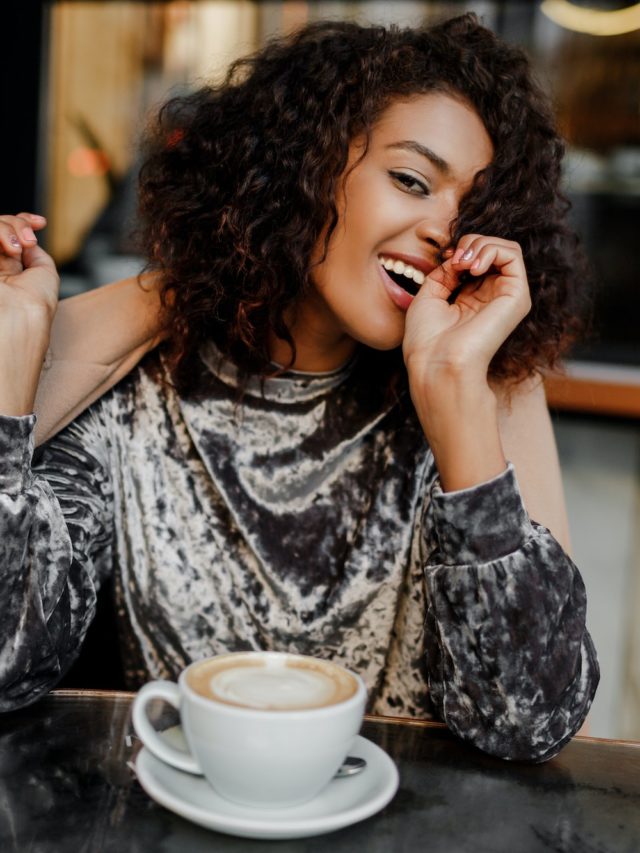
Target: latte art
281,683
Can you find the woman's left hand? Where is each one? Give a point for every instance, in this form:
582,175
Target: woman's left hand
462,338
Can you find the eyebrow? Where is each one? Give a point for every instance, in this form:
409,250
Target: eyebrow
411,145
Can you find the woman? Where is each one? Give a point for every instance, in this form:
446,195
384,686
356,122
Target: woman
360,248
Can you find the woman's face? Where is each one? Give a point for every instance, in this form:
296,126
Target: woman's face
396,206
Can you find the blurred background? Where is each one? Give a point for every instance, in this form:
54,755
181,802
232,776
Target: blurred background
84,76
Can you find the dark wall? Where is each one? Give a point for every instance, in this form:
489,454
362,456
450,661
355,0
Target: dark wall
21,61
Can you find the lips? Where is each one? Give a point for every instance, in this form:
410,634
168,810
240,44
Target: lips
403,275
400,297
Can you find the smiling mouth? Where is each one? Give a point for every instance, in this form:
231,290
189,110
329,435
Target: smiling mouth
404,275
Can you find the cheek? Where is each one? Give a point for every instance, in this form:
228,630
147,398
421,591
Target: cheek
364,208
369,214
378,214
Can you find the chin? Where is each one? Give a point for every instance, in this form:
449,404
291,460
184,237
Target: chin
382,337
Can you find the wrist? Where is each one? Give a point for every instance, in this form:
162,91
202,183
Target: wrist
459,414
22,354
433,371
440,390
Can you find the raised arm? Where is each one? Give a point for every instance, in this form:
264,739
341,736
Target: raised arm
28,299
512,668
55,531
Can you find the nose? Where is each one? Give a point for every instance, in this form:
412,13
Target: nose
436,229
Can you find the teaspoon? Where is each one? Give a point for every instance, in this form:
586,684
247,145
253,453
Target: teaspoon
350,766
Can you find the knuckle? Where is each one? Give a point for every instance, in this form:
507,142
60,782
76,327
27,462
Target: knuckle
10,266
526,301
12,222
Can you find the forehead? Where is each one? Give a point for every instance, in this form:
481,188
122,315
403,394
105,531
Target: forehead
448,126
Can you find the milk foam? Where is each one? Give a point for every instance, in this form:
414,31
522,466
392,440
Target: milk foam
273,681
275,686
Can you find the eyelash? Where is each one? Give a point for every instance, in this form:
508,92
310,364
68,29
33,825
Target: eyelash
408,180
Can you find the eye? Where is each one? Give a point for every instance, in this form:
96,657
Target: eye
410,183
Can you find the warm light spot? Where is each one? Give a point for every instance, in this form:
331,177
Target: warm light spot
596,22
175,137
85,162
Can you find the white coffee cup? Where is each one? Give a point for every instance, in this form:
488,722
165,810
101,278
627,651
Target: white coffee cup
266,729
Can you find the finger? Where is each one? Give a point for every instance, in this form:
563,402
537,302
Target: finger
469,246
469,295
474,257
465,243
35,256
16,233
36,220
505,259
9,242
10,266
441,281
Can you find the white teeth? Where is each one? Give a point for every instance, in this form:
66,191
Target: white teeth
401,268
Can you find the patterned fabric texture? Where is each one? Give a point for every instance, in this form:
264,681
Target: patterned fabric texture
305,517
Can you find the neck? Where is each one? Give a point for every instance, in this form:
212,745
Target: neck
321,346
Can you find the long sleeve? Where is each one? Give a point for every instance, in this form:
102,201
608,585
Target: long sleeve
512,668
55,534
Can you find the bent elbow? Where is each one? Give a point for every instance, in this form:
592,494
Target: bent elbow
524,731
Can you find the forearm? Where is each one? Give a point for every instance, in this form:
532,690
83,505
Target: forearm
512,667
29,286
49,568
459,415
23,345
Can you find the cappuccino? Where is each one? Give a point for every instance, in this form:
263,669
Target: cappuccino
271,682
266,729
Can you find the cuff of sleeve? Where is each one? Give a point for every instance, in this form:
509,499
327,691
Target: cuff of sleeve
482,523
16,452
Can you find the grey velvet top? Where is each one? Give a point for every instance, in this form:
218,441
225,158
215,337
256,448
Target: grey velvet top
308,518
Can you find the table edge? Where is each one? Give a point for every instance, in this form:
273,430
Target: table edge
77,693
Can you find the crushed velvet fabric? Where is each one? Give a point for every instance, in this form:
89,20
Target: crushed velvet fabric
306,517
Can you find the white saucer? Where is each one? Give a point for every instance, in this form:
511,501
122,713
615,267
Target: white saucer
341,803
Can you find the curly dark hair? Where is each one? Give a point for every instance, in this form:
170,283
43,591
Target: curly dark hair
239,180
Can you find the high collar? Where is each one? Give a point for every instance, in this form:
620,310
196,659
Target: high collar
292,386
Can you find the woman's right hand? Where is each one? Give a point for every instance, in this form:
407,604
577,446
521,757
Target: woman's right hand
28,277
29,285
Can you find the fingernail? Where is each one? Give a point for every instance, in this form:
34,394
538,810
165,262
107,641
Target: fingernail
457,256
467,255
28,234
14,241
475,265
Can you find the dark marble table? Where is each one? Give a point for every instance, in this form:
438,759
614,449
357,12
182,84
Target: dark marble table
65,786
